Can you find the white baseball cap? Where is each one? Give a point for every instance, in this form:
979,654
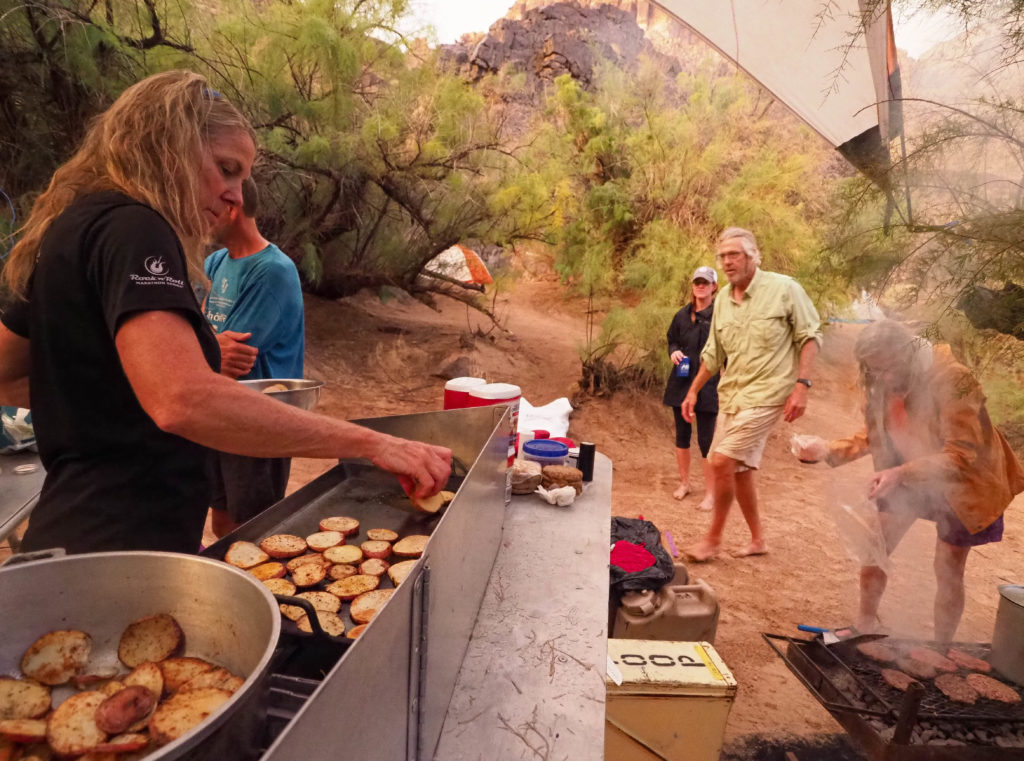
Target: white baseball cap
706,273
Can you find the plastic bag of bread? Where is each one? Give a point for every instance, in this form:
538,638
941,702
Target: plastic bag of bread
554,476
526,476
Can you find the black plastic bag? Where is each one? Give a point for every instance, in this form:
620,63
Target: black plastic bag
644,533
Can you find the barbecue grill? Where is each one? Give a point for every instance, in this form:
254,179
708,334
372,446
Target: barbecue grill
384,696
888,725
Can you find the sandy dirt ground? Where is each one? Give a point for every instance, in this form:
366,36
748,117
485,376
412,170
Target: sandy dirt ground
378,359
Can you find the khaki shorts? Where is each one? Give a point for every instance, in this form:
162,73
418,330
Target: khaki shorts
742,436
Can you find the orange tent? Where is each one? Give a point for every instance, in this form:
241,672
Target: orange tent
461,264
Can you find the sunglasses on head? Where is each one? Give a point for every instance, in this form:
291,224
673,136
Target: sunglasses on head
701,282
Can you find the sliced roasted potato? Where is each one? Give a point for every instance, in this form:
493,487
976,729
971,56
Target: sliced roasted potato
23,730
283,545
331,623
398,571
347,554
128,742
177,671
355,631
152,638
147,675
428,504
280,586
185,711
353,586
114,685
57,656
411,546
87,681
292,612
217,677
314,557
322,601
122,709
366,606
321,540
72,729
376,549
23,698
345,525
374,567
381,535
447,496
271,570
245,555
309,575
342,571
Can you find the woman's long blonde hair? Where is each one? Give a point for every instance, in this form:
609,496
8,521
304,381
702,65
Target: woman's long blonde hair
148,145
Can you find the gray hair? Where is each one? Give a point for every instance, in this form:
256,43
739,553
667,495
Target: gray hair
747,240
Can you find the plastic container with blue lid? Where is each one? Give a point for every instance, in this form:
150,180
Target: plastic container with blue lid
545,451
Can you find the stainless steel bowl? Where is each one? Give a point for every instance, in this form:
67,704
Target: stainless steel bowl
301,393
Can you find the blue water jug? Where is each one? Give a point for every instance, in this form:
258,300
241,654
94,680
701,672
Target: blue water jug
683,368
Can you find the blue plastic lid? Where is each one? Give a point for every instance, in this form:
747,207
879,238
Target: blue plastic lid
546,448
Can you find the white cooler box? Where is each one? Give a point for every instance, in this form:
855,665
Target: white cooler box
671,703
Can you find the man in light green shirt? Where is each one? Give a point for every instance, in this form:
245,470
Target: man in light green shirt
765,334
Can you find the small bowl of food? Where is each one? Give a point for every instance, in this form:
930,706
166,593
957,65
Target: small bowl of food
302,393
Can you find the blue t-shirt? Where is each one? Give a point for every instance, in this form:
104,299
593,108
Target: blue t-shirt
260,294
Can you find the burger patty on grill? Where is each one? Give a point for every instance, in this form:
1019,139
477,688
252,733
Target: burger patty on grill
991,688
968,661
956,688
933,658
916,668
897,679
877,651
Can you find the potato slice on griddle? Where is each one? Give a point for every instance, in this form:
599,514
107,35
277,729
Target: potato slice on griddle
331,623
185,711
271,570
429,504
72,730
411,546
366,606
342,571
280,587
345,525
57,656
376,549
374,567
322,601
347,554
355,631
353,586
23,730
177,671
245,555
381,535
447,496
301,560
217,677
309,575
23,698
152,638
322,540
399,571
283,545
292,612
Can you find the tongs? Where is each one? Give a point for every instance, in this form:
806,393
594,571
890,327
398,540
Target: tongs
842,634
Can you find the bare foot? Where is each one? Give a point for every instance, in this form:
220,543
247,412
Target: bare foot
707,504
754,548
702,551
682,491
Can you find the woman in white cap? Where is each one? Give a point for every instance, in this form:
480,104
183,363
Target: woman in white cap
686,337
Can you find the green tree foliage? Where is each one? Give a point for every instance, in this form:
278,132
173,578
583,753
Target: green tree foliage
373,159
651,170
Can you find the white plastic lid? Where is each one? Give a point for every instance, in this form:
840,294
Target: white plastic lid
496,391
464,383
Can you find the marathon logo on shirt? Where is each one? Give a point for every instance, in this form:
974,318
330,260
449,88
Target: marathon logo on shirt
157,269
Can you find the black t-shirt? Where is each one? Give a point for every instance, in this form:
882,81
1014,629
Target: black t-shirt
689,337
114,480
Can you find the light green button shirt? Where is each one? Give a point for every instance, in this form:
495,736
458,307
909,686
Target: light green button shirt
761,338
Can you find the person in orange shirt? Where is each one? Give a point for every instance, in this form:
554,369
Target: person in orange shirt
937,456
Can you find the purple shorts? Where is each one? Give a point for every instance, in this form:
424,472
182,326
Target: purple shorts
949,528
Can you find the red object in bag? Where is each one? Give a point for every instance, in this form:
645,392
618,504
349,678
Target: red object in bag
631,557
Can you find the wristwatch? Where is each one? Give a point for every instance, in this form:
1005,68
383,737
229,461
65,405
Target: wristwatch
805,381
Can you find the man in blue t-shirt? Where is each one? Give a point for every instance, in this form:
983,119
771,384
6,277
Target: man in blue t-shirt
255,308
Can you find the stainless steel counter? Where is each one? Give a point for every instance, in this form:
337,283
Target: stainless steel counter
18,492
532,681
